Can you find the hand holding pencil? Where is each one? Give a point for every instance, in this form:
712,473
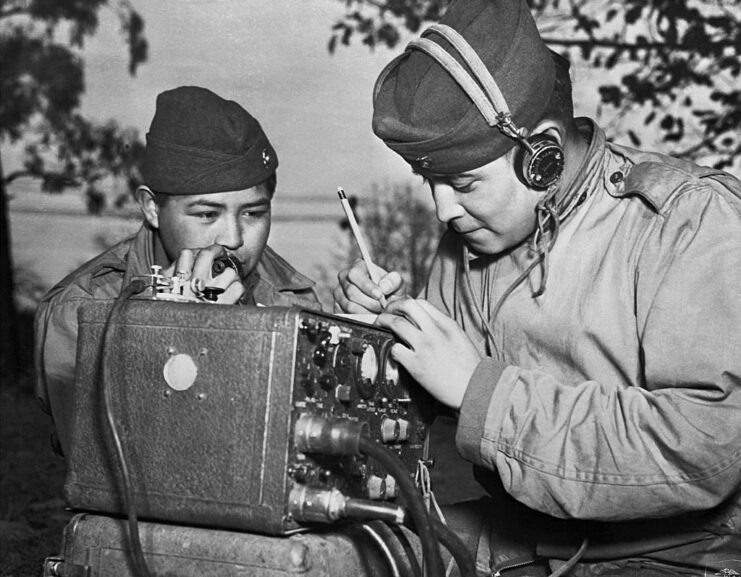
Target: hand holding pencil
348,299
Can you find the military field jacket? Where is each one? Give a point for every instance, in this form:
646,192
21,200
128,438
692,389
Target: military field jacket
616,395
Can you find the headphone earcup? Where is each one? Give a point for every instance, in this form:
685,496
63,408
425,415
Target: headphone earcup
543,165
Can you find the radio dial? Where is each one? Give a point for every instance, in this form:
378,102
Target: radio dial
327,381
320,356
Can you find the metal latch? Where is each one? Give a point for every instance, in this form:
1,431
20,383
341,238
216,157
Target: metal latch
58,567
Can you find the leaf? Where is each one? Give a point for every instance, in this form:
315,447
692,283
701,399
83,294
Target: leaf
612,59
633,14
611,94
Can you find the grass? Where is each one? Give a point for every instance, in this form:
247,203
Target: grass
32,513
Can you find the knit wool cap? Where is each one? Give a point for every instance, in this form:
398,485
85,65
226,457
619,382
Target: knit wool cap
199,143
422,113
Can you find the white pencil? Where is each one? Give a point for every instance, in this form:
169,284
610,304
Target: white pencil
372,271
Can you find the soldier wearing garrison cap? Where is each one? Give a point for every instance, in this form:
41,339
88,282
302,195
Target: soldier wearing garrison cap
209,178
582,315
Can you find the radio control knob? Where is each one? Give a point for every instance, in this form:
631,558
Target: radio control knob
320,356
389,430
211,293
344,393
308,326
391,488
300,473
394,430
357,345
327,381
403,430
376,487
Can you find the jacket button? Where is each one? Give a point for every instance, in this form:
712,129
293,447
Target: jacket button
616,177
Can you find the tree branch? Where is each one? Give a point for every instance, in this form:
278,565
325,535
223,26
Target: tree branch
15,11
707,139
16,174
629,46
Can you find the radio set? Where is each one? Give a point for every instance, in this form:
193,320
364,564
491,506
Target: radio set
234,417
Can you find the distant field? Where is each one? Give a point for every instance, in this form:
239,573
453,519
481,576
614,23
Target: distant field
52,236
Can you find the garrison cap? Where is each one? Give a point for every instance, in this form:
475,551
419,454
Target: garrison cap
200,143
425,115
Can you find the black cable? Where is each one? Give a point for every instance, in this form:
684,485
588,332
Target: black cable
384,546
398,544
457,548
572,561
418,511
136,286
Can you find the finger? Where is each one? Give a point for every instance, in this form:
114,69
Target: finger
225,279
412,310
440,318
336,308
341,302
183,264
232,294
348,305
404,356
391,283
402,327
358,275
352,298
204,261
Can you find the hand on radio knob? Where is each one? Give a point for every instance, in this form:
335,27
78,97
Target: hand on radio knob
194,266
211,293
432,348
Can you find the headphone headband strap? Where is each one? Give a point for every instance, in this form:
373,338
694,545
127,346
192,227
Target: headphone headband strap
463,78
467,80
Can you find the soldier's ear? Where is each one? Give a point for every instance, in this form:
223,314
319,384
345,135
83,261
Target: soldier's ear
148,205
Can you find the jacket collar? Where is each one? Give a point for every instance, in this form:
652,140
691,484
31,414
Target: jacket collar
275,271
140,256
590,170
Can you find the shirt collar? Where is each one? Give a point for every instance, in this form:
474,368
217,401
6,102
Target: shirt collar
140,257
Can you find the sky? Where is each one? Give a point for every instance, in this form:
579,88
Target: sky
271,57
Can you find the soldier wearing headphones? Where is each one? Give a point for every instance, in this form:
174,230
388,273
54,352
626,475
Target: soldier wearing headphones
582,315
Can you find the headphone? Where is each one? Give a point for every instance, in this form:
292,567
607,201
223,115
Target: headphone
540,163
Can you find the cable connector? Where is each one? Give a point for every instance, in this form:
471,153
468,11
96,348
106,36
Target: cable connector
314,434
318,505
